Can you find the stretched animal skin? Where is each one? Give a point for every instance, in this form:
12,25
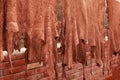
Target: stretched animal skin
114,23
96,17
40,33
83,27
74,29
1,28
74,32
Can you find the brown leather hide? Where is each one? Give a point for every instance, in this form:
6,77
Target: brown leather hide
96,16
11,26
41,32
114,23
82,20
1,28
74,31
8,24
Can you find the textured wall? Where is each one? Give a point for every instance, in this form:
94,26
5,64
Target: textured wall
38,72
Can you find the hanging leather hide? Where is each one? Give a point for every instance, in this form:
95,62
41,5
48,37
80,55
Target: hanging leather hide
74,33
41,32
11,25
75,29
114,23
1,28
37,21
8,26
96,17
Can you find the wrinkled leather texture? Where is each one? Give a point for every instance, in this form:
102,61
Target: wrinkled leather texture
1,28
114,23
8,24
83,21
82,28
37,20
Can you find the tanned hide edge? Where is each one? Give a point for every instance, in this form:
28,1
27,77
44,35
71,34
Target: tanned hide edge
74,30
96,18
37,21
50,34
114,23
82,27
10,26
1,28
41,32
